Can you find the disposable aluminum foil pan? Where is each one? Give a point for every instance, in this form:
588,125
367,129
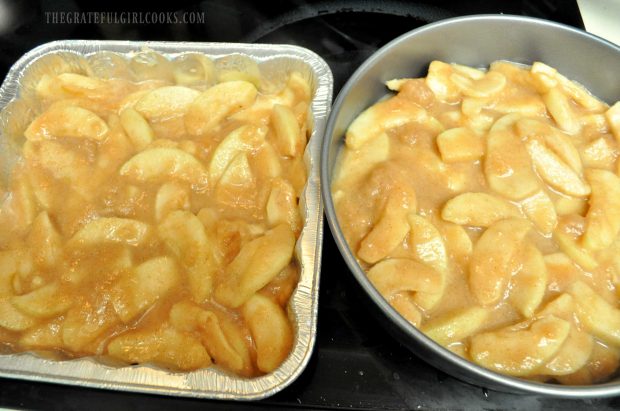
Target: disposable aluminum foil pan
303,306
475,41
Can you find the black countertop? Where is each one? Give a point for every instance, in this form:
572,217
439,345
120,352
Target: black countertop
355,364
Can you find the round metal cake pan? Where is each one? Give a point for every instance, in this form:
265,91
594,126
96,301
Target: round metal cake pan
274,61
475,41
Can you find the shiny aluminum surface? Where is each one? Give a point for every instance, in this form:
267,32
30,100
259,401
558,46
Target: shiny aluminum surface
476,41
211,382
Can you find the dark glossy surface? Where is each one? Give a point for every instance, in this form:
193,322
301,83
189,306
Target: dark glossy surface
355,365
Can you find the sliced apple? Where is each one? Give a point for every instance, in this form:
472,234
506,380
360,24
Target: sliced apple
478,209
46,336
559,142
396,275
78,83
603,217
282,205
571,205
574,251
289,140
185,236
136,291
573,355
491,264
600,153
458,243
456,325
166,102
613,118
165,346
560,109
170,197
507,166
357,164
390,228
520,351
271,331
219,346
85,322
137,128
530,282
563,146
107,230
598,316
556,172
429,248
562,307
258,262
460,144
438,80
45,241
540,210
243,139
67,121
404,305
13,319
44,302
216,103
380,117
489,85
544,76
159,164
